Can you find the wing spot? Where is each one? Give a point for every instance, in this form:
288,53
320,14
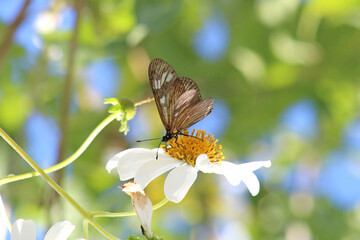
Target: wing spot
162,100
157,84
169,77
163,78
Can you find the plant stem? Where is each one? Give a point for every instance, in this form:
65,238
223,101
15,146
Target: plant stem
54,185
144,101
83,147
72,158
126,214
41,172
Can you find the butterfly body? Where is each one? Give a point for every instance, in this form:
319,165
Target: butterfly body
178,99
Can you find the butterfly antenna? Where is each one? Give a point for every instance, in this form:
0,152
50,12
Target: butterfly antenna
144,140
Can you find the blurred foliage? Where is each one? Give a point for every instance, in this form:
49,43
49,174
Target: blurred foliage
277,52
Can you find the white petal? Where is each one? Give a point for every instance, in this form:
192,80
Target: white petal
251,182
113,162
232,172
252,166
159,150
179,181
142,205
155,168
244,172
203,163
23,230
60,231
129,161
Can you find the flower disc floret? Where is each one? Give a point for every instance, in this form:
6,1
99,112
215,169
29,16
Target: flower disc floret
188,147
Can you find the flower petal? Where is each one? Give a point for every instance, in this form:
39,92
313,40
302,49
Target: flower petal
150,170
252,166
244,172
23,229
142,206
130,160
203,164
251,182
60,231
179,181
113,162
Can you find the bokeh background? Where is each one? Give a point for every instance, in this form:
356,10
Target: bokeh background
285,76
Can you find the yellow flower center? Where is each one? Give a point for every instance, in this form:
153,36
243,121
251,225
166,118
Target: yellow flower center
188,147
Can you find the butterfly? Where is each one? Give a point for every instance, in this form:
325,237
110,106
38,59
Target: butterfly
178,99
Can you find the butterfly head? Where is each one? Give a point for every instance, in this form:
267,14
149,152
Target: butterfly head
169,135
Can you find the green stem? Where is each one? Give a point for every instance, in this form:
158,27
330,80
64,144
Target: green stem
126,214
86,229
93,134
42,173
54,185
72,158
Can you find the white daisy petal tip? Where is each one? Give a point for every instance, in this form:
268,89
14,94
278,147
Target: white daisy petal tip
267,164
252,184
111,164
60,231
23,229
178,182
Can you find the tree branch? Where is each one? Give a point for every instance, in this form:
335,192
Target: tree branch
6,42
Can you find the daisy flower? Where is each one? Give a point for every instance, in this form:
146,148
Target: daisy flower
26,230
185,156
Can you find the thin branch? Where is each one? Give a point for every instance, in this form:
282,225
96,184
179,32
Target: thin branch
6,42
68,82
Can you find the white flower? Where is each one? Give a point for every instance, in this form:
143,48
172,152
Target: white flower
142,206
26,230
142,165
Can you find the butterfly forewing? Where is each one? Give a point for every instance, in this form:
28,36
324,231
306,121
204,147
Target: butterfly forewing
162,79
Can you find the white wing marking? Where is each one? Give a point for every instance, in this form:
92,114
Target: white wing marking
157,84
162,100
169,77
163,78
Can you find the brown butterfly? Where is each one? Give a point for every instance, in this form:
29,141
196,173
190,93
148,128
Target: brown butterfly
178,99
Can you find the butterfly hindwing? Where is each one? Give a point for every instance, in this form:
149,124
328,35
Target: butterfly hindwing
190,109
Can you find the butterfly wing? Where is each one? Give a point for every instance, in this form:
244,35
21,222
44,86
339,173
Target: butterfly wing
167,87
162,79
190,109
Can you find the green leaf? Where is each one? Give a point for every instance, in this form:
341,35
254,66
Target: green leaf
124,128
156,237
115,108
133,237
112,101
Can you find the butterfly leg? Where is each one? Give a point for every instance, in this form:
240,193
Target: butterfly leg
176,138
157,151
